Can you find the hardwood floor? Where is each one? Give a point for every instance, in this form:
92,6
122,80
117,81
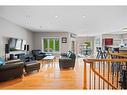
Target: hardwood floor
49,78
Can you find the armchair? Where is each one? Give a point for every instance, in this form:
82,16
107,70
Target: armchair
67,60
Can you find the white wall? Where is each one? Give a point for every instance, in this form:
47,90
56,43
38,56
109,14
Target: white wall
124,37
9,29
116,38
37,36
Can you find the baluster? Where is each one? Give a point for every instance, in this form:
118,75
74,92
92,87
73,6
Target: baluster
85,76
94,78
108,73
126,75
117,76
103,74
121,67
90,77
112,73
99,77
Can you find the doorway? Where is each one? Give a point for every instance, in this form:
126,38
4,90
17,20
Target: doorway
73,46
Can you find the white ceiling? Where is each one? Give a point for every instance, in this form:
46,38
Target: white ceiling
81,20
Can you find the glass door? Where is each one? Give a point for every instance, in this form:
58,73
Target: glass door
51,44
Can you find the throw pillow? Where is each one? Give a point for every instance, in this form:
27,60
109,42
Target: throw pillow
69,55
2,62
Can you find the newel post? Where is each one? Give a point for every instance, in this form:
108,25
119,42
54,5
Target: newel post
85,76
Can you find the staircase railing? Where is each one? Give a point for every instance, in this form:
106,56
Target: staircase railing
105,73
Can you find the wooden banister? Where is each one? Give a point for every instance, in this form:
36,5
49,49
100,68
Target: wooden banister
92,62
102,77
119,54
102,60
85,77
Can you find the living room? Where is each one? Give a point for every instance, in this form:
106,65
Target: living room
57,40
17,40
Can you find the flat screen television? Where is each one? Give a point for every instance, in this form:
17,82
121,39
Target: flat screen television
16,44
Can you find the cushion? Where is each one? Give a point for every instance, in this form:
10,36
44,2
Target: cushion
31,64
69,54
2,62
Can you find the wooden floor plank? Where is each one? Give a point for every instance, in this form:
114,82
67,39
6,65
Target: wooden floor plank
49,78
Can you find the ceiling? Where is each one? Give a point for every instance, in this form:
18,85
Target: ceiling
81,20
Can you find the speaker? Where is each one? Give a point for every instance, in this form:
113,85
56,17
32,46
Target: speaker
24,47
28,47
7,48
11,56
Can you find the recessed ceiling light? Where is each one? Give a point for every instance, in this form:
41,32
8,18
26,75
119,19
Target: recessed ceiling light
56,16
83,16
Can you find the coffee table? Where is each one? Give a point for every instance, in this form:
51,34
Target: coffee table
49,60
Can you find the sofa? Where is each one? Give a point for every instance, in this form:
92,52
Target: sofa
67,60
38,54
11,70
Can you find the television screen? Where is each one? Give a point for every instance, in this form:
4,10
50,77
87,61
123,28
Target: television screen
12,44
23,44
16,44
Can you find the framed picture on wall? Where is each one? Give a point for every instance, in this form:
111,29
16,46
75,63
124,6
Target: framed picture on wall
97,41
64,39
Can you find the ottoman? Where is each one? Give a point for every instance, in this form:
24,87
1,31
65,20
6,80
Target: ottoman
31,66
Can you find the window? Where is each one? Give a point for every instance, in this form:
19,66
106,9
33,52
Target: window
51,44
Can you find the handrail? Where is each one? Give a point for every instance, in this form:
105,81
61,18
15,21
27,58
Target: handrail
92,62
119,54
102,60
124,53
